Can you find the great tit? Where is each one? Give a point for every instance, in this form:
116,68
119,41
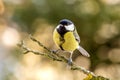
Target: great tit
67,39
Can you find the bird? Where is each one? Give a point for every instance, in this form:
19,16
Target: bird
67,39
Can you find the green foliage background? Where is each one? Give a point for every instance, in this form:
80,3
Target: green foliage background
97,22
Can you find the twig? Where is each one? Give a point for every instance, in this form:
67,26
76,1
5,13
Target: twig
52,55
50,52
27,50
56,57
75,67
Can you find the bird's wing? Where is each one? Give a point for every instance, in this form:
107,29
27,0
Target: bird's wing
76,35
83,51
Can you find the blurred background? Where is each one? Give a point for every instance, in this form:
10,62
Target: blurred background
97,22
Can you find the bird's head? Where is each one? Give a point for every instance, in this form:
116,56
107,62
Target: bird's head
65,25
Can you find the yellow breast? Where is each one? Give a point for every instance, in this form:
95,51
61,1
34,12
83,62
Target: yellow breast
70,43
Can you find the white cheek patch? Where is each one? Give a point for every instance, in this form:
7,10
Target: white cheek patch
58,26
70,27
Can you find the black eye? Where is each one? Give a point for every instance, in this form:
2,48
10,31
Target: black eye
65,22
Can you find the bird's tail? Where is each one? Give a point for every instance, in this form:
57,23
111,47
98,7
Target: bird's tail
83,51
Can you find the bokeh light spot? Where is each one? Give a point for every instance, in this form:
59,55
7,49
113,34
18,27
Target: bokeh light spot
10,37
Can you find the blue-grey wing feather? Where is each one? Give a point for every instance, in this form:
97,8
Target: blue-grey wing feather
76,35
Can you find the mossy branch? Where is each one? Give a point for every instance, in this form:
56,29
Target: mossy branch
56,57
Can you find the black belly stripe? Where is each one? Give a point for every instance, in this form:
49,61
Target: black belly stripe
61,30
61,47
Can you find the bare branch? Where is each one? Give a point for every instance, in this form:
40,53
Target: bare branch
27,50
52,55
49,51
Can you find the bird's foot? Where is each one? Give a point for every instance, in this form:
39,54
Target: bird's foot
70,62
54,51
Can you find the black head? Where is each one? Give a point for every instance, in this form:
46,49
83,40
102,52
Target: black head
64,26
65,22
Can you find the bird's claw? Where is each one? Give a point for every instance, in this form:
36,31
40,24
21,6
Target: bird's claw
70,61
54,51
